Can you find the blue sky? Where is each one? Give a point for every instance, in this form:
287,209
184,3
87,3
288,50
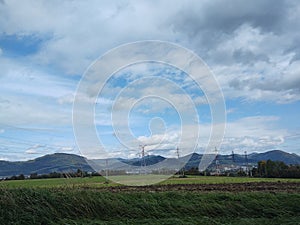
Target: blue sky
251,47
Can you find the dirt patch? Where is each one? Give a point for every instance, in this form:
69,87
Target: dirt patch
291,187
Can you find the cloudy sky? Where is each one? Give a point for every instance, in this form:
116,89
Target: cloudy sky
251,47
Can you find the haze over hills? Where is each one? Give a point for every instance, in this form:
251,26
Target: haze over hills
274,155
62,162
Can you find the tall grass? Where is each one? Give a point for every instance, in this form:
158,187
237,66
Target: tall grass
75,206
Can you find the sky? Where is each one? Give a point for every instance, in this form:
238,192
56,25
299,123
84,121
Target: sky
251,48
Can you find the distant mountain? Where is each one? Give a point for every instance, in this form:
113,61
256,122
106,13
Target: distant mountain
253,158
149,160
58,162
192,160
124,164
276,155
62,162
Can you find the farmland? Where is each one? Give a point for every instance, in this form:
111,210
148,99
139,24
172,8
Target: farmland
192,200
99,181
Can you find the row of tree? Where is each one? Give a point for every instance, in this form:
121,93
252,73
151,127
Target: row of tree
269,168
78,173
278,169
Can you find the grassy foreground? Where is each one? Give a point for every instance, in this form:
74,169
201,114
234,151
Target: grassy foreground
80,201
77,206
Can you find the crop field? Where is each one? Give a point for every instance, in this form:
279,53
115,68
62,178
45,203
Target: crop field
99,181
192,200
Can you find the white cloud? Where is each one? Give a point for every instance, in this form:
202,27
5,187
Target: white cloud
29,95
98,28
254,55
35,149
248,52
258,133
160,141
31,151
4,159
66,149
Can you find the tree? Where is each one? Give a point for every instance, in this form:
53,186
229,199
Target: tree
261,168
271,168
21,177
33,176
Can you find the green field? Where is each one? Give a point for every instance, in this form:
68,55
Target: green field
76,206
86,201
100,181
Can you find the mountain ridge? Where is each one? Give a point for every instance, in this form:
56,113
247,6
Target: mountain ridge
65,162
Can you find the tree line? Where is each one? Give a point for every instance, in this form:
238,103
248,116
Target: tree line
78,173
276,169
269,169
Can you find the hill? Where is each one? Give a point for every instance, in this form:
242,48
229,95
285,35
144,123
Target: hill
58,162
62,162
276,155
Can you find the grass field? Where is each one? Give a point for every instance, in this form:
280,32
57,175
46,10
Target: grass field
82,201
75,206
100,181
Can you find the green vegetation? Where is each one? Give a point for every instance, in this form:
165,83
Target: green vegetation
99,181
84,201
77,206
223,180
271,168
53,182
